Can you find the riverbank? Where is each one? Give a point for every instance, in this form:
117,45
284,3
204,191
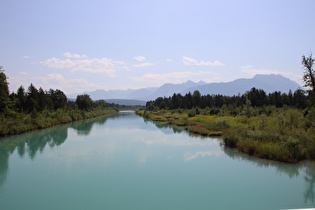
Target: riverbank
18,123
286,135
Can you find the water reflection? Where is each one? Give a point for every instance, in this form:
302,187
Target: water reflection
84,127
4,165
190,156
306,168
170,129
30,144
33,142
309,195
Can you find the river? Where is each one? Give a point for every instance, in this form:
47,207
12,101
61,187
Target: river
125,162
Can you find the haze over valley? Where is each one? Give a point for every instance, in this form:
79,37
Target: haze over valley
268,83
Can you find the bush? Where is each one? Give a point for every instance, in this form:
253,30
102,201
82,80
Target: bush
231,140
222,123
191,113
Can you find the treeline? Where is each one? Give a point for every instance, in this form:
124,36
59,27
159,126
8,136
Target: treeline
254,97
33,108
38,100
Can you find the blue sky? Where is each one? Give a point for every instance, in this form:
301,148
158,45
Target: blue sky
78,46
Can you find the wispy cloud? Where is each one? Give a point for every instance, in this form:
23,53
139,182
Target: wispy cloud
190,156
173,77
71,55
192,61
140,58
26,57
249,69
81,63
143,64
54,81
58,81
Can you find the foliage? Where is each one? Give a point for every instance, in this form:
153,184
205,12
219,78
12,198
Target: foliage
253,98
285,134
4,90
309,75
84,102
35,108
22,122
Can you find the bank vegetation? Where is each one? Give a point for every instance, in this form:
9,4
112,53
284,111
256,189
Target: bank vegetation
277,126
26,110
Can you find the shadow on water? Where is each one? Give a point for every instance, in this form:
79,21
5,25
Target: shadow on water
305,168
170,129
84,127
33,142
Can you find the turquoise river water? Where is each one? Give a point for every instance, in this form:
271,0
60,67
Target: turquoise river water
125,162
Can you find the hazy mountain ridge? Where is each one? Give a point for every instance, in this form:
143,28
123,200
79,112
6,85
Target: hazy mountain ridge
269,83
127,102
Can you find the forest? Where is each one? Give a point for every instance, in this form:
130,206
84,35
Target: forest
277,126
256,98
30,109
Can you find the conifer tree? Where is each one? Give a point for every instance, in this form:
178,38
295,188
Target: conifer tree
4,90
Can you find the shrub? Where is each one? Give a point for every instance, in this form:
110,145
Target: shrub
191,113
222,123
231,140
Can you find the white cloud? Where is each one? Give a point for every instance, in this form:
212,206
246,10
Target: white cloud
53,81
58,63
143,64
95,65
191,61
190,156
26,57
140,58
70,55
173,77
58,81
169,60
249,69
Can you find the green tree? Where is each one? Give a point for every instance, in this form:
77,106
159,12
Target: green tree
42,99
299,99
21,99
58,98
32,99
100,103
196,98
309,75
4,90
84,102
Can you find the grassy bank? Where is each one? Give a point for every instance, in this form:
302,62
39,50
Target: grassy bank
17,123
285,134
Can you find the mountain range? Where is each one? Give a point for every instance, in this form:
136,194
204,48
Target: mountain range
268,83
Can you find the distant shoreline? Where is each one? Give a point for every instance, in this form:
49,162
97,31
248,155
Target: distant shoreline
20,127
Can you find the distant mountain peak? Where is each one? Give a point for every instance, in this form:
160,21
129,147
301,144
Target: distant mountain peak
267,82
267,75
189,82
201,82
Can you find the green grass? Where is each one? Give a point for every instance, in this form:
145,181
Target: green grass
286,134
